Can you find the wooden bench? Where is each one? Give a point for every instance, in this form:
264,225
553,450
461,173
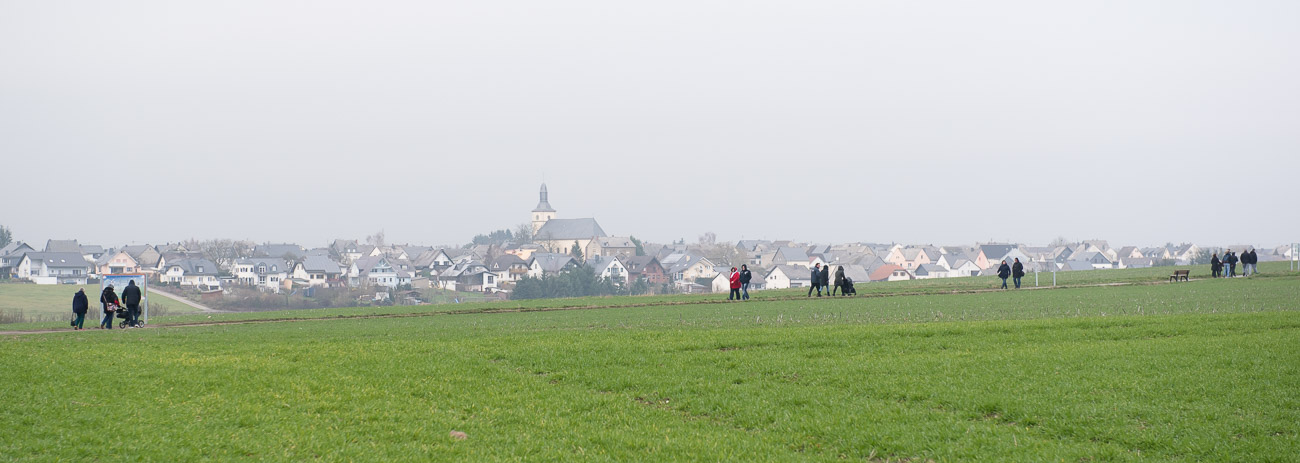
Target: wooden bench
1179,274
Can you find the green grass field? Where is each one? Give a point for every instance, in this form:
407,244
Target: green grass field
54,302
1200,371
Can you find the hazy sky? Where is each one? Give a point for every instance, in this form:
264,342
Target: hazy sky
924,122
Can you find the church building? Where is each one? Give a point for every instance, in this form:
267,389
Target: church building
558,235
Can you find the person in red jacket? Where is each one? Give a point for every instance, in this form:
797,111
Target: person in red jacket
735,286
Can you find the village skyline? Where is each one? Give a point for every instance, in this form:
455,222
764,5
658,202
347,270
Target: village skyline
858,121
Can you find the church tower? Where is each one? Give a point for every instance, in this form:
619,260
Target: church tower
543,212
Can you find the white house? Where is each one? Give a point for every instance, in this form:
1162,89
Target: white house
116,263
509,267
51,268
263,272
323,272
376,271
685,267
543,263
787,276
608,267
468,276
197,272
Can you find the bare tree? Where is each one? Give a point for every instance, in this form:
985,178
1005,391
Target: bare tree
708,238
377,239
524,233
224,252
1060,241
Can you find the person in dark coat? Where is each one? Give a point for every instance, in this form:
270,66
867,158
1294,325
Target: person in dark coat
109,299
745,278
815,280
79,307
1254,262
1004,271
1216,266
131,299
839,281
1248,263
1017,271
1232,265
826,278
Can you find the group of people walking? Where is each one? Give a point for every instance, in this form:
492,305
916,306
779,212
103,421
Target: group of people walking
821,281
1016,271
1227,266
740,284
127,304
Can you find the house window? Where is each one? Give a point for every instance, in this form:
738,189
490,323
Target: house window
200,269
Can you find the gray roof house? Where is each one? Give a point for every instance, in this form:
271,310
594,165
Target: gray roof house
279,250
62,246
551,262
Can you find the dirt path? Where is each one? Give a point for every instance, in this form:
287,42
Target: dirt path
182,300
579,307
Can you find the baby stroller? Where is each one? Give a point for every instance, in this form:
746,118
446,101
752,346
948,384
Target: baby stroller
123,314
847,287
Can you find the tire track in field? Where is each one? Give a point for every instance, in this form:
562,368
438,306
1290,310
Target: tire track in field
505,310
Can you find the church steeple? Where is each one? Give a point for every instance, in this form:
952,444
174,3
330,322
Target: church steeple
543,212
543,205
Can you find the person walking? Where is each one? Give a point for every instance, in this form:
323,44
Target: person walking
1232,265
1004,271
745,278
1254,262
815,280
1017,271
1216,266
79,307
839,281
131,298
735,285
1248,263
826,279
109,299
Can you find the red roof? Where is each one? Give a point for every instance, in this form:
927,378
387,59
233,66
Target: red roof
883,272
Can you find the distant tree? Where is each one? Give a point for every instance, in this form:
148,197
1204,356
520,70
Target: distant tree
497,237
1206,254
1059,241
524,233
577,282
640,250
223,252
377,239
6,236
708,238
577,252
639,287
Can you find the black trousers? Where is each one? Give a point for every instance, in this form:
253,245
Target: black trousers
735,294
816,286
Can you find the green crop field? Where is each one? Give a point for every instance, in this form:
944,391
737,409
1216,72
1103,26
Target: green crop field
928,370
54,302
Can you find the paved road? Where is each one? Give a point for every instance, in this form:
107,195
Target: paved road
201,307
